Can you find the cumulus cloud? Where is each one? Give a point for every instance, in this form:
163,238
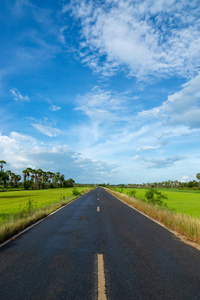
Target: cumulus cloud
18,96
181,108
144,38
20,151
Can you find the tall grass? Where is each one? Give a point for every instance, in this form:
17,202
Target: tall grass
183,224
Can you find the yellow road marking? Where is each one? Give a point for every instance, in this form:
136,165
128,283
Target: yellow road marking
101,279
97,198
98,208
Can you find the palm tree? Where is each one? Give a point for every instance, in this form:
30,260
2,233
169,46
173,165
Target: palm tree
62,179
12,178
29,170
34,174
16,179
2,162
25,175
8,172
39,173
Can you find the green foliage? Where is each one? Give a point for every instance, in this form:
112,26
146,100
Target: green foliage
27,210
4,178
76,192
155,197
198,176
132,193
69,183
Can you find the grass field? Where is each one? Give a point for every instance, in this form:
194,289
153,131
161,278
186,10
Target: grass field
187,202
13,202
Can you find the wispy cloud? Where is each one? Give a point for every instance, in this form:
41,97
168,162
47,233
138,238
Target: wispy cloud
61,36
54,107
157,163
47,130
144,38
101,105
45,126
18,96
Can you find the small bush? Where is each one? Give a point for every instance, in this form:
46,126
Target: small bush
153,196
76,192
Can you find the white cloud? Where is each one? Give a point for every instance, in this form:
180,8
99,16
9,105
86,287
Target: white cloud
147,147
18,96
159,162
181,108
21,151
101,106
61,36
185,178
47,130
45,126
54,107
145,37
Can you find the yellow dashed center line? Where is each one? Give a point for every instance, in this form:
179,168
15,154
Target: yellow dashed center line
98,208
101,278
97,198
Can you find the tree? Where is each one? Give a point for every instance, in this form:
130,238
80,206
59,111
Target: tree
24,172
39,177
198,177
2,162
8,172
4,178
69,183
62,179
16,178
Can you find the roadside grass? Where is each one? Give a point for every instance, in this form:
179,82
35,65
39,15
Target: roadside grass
20,209
180,201
181,223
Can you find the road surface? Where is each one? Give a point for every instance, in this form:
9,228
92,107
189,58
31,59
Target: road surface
99,248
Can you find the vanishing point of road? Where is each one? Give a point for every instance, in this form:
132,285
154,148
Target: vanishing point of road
98,248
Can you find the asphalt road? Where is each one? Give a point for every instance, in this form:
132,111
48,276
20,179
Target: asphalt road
57,259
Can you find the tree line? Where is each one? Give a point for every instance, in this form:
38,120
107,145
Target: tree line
163,184
34,179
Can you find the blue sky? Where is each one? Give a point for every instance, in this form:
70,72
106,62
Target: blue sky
102,91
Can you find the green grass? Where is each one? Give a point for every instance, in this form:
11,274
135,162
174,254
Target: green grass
13,202
181,201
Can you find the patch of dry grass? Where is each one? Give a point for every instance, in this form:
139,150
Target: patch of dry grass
183,224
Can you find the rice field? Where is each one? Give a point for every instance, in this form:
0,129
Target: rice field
13,202
181,201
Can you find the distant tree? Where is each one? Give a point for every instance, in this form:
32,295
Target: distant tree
2,162
69,183
4,178
16,178
198,177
